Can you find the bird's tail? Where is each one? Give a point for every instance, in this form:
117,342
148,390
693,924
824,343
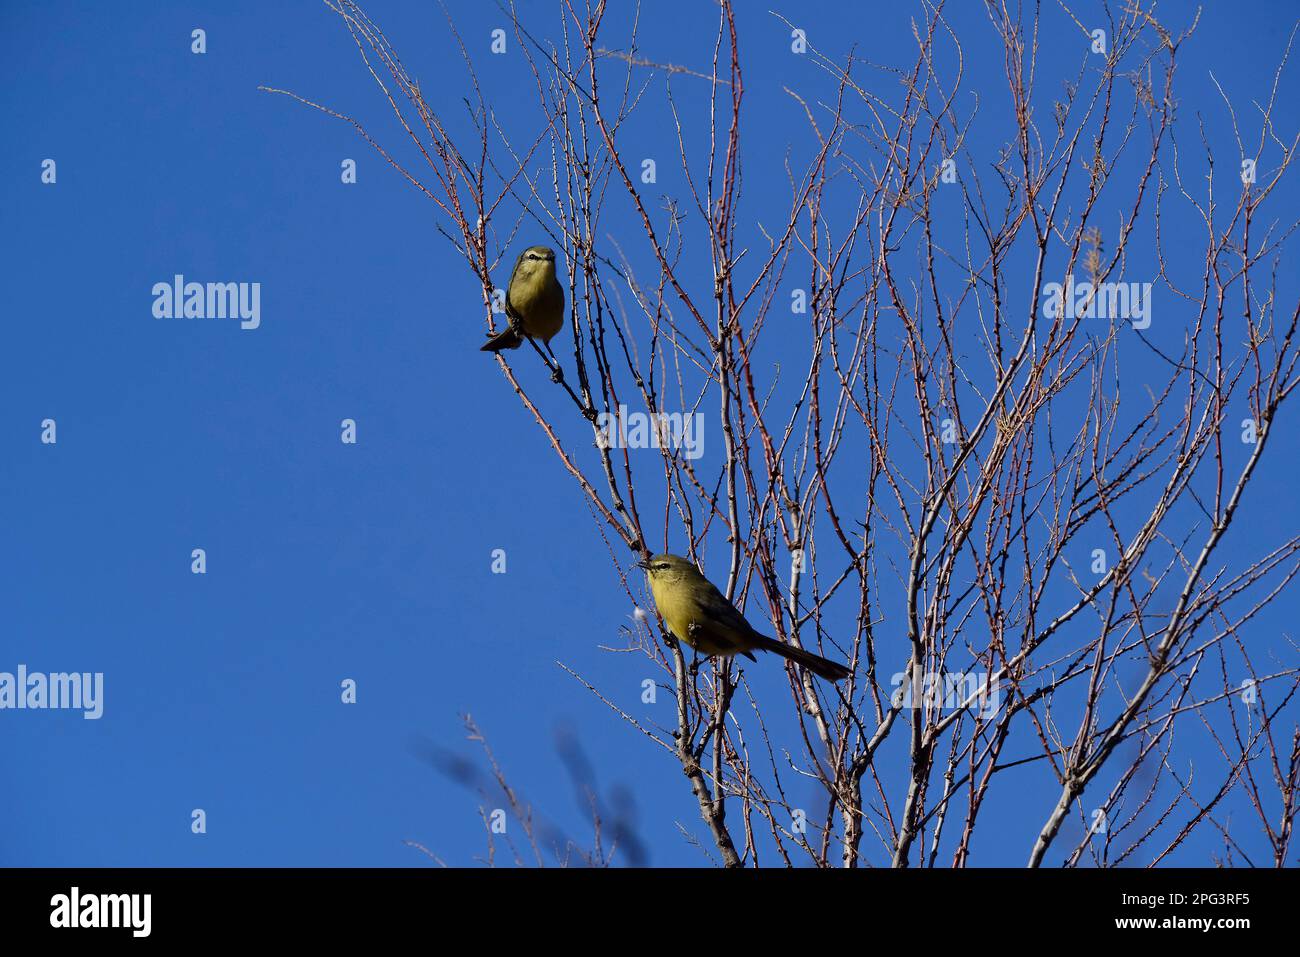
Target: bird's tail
824,667
507,338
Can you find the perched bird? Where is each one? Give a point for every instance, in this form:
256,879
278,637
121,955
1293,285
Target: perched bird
534,301
700,615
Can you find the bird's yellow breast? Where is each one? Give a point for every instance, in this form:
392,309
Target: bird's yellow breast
676,608
538,301
679,604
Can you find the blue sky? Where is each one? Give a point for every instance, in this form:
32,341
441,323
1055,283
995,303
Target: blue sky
328,561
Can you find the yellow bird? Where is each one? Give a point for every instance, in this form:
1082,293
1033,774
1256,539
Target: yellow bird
700,615
534,301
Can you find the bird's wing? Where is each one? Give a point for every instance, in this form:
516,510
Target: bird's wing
510,306
722,622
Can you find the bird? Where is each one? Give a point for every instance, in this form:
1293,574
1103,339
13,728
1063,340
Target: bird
534,301
700,615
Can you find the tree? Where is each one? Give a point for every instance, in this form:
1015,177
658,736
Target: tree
962,490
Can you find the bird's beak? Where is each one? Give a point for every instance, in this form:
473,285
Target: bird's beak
643,564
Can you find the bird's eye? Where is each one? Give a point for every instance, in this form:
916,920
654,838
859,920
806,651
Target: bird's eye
662,566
